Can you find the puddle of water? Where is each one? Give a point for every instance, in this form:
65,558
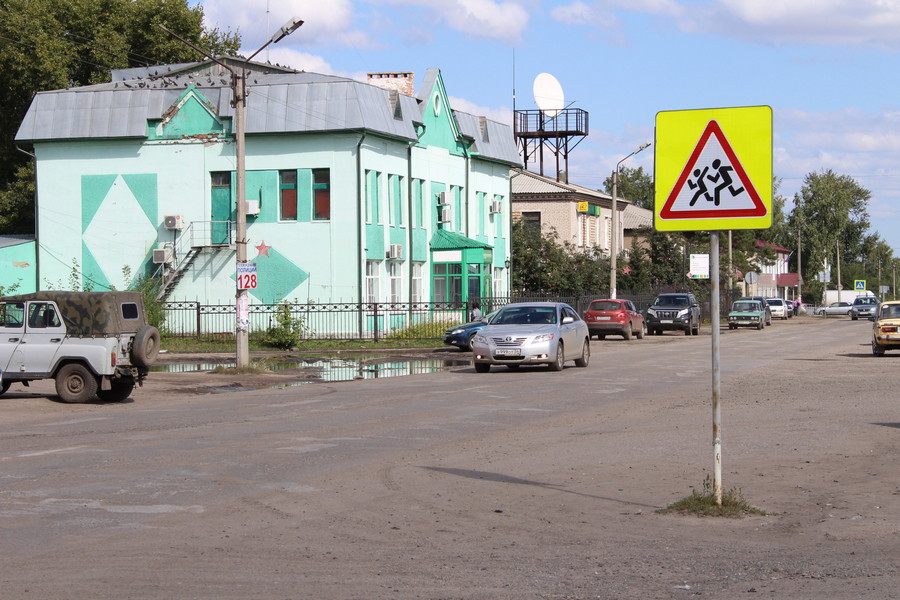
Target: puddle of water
339,369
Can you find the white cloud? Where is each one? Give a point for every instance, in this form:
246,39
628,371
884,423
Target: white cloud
326,22
873,23
503,20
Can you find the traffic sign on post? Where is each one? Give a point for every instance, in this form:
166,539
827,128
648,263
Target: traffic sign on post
713,169
859,285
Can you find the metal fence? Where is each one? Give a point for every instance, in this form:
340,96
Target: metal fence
368,321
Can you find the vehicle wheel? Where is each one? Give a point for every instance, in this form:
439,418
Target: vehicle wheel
601,336
854,316
4,386
688,330
75,384
482,367
730,326
469,343
557,365
876,349
121,389
761,325
145,346
640,332
585,355
657,332
627,333
696,330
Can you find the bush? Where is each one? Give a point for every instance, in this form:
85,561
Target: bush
287,331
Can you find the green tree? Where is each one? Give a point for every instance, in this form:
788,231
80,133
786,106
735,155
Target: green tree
47,44
830,209
635,186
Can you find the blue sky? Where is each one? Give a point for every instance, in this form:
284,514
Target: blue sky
828,69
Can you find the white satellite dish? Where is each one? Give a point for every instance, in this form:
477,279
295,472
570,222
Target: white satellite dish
548,95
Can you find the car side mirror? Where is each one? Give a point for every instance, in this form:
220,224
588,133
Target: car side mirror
567,320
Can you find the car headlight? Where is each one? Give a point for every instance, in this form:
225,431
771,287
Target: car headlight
651,312
544,337
455,331
683,313
479,339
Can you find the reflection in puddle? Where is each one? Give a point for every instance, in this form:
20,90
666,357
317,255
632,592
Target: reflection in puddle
338,369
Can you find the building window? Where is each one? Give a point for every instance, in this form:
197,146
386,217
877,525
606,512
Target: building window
417,289
395,271
371,281
288,190
321,194
532,220
498,282
447,283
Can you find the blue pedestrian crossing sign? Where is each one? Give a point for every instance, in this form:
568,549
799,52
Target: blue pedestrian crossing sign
859,285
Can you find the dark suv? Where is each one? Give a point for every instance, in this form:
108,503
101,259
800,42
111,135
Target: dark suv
863,306
678,311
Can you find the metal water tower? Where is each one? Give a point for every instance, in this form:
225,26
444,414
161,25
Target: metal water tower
552,126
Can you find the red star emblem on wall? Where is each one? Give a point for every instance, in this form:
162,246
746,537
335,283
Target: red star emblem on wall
262,249
626,270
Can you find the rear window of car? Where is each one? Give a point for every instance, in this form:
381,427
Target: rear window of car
605,305
130,310
775,302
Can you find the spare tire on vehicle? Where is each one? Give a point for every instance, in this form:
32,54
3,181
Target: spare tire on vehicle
145,346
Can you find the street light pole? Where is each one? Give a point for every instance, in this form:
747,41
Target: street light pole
239,102
613,243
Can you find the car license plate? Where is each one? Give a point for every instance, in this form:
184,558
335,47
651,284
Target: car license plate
666,321
603,318
508,352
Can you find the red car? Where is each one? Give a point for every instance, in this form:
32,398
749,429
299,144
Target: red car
616,317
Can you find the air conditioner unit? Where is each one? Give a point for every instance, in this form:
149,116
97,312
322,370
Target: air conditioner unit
162,256
395,251
173,222
443,199
496,205
253,207
445,214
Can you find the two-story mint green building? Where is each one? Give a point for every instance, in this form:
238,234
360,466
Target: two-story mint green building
355,192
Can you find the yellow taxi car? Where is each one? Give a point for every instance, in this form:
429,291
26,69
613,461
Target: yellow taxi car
886,329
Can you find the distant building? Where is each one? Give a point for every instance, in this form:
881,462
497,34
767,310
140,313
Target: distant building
579,215
356,193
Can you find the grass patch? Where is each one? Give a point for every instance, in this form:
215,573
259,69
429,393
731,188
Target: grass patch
703,504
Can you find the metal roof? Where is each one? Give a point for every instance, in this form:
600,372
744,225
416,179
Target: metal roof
634,217
448,240
526,182
278,102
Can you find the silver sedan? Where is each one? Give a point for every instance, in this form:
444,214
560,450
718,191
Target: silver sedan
532,333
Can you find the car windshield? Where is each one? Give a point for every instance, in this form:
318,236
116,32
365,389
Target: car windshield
605,305
775,302
677,301
745,306
866,301
525,315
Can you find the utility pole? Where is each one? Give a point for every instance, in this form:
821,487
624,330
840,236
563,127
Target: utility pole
239,102
614,241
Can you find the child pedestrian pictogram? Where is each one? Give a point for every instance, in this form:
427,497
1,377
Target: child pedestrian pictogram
713,183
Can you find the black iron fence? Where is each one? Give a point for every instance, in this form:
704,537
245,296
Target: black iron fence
371,321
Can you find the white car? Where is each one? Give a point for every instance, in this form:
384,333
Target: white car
532,333
779,308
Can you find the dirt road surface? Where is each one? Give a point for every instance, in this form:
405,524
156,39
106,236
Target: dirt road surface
457,485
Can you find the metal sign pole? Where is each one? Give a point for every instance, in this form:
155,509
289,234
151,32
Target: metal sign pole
717,408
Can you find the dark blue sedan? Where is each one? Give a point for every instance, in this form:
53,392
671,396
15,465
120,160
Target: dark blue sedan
461,335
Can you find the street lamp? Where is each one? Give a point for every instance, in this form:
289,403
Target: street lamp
239,101
613,246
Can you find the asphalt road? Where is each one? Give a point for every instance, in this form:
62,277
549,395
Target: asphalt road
527,484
